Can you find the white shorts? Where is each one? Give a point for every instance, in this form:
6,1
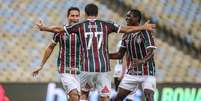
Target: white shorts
131,82
70,82
95,80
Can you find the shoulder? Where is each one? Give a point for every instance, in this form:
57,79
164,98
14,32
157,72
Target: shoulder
105,22
75,25
146,32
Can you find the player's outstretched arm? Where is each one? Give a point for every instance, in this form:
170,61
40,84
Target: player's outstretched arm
117,55
129,29
53,29
46,55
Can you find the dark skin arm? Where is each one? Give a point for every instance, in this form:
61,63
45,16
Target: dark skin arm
136,62
124,67
118,55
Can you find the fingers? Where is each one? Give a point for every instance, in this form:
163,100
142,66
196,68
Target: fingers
39,23
150,26
35,73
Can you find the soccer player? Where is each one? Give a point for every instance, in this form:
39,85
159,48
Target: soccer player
139,47
93,35
69,59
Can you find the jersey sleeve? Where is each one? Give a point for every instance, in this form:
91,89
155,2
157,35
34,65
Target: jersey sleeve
149,41
55,38
71,29
112,27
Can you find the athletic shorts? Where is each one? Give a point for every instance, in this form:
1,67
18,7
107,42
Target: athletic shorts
96,80
132,82
70,82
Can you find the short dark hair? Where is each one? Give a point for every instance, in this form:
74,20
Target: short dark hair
91,10
136,13
72,8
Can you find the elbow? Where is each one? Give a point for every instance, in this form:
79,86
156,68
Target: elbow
119,56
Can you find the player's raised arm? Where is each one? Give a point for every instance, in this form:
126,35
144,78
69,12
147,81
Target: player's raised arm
53,29
129,29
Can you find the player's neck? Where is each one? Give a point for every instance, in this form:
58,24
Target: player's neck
91,17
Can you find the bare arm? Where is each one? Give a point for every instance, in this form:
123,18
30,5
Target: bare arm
46,55
146,26
53,29
117,55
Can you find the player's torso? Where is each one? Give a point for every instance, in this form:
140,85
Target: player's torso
136,48
70,56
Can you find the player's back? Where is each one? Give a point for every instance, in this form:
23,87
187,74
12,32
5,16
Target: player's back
94,40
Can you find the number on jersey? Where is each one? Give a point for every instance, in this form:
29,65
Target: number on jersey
90,36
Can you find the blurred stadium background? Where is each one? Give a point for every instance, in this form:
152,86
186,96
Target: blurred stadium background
178,38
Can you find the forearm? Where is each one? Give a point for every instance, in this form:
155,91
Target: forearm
124,64
53,29
115,56
46,55
135,29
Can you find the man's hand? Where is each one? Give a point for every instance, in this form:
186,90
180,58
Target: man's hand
148,26
35,72
40,25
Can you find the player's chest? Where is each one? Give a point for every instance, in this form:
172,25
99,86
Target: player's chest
133,40
69,37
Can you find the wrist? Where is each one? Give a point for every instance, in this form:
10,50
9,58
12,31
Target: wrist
42,28
144,27
41,65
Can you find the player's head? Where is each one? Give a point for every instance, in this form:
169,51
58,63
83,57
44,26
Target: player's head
73,15
91,10
133,17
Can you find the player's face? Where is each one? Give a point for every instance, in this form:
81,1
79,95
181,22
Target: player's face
73,17
131,19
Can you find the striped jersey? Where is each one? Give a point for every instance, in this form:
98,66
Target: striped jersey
136,45
93,35
70,56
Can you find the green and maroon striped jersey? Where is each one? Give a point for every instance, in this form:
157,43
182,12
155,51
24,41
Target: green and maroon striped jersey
136,45
93,35
70,56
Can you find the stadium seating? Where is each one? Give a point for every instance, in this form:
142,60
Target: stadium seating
22,45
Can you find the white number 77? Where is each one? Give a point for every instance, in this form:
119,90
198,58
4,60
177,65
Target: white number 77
90,34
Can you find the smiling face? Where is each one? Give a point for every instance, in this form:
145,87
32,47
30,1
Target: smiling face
73,17
133,17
